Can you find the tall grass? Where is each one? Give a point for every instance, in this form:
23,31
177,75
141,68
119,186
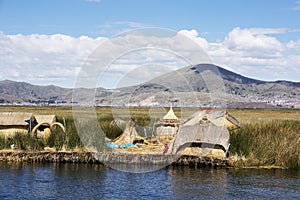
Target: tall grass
21,141
109,128
71,139
268,143
58,139
263,140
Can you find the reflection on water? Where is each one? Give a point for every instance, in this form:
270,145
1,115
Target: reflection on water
265,183
79,181
207,182
48,181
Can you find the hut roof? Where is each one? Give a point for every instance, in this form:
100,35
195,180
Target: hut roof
45,118
128,135
170,115
216,117
14,118
18,118
211,135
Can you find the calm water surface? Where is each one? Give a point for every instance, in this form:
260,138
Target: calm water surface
79,181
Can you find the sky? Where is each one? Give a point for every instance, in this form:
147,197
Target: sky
51,41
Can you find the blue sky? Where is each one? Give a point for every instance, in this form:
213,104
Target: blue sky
213,18
225,28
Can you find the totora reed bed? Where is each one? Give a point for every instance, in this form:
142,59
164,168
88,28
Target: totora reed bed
266,137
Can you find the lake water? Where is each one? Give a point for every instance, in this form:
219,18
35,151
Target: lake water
80,181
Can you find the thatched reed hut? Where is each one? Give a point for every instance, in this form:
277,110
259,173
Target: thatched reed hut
204,133
13,122
46,123
129,134
168,125
20,122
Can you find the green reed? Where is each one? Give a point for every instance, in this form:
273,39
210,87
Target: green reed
268,143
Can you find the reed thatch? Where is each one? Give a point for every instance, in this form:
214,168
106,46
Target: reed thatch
14,118
129,134
170,118
45,118
205,132
168,125
214,117
14,122
202,134
170,115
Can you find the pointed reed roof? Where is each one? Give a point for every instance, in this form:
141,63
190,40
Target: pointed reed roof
170,115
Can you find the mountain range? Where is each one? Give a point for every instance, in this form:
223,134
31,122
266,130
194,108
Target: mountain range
202,85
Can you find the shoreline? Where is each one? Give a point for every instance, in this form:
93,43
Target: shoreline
108,158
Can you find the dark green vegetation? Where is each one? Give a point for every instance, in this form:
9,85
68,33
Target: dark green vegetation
268,143
267,137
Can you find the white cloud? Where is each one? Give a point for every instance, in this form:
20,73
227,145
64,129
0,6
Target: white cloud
40,59
294,45
56,59
263,31
193,34
131,24
118,27
128,52
257,53
94,1
254,41
297,6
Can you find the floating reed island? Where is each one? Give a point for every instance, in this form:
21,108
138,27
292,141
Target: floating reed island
271,142
111,158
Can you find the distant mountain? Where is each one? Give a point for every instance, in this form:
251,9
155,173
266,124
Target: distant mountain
188,86
8,99
193,85
196,77
33,93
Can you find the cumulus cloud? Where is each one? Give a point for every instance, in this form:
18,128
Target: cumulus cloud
266,57
294,45
194,35
57,59
128,51
44,59
254,41
254,52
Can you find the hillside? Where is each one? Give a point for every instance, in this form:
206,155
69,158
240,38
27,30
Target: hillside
197,85
203,85
33,93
